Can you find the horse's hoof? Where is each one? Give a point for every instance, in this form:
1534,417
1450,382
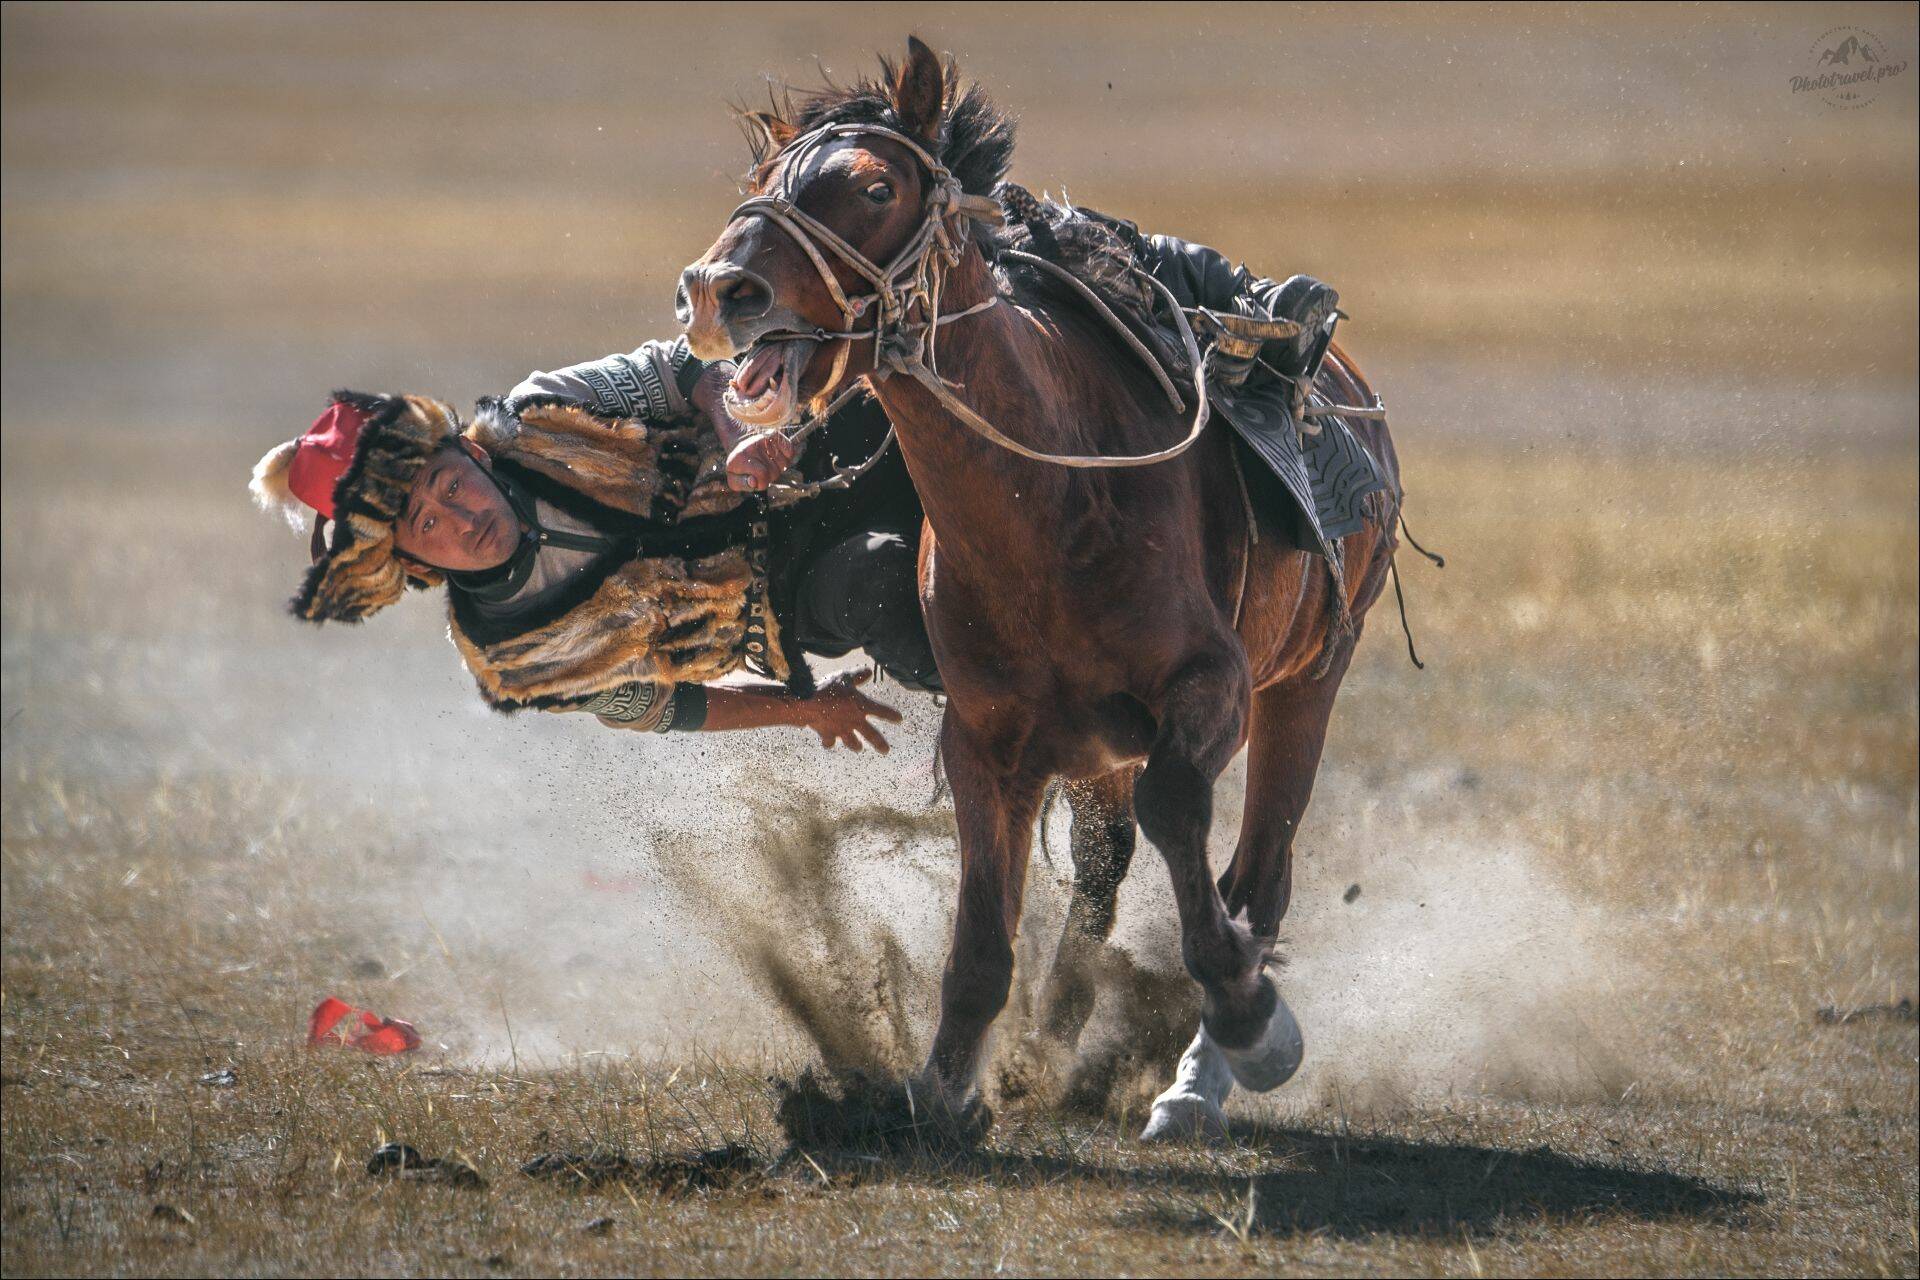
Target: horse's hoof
1270,1061
1182,1117
962,1122
969,1125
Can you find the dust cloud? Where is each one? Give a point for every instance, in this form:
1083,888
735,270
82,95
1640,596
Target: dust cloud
1463,968
809,916
816,946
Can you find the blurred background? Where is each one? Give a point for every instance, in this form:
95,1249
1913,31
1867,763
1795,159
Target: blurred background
1644,317
1584,226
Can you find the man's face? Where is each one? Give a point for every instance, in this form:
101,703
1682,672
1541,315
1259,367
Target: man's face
456,516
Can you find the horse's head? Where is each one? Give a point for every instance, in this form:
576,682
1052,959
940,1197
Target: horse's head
884,169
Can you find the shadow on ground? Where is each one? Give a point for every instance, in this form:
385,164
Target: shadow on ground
1351,1187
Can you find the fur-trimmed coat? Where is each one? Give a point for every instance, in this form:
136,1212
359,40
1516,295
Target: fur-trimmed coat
691,607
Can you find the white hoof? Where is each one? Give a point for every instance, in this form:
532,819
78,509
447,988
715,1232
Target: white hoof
1182,1117
1270,1061
1190,1108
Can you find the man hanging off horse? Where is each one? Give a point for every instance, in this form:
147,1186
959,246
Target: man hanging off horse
607,541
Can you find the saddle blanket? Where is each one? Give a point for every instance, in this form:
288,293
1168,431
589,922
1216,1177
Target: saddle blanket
1327,474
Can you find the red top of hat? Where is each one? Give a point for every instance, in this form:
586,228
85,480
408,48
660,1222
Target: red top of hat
323,454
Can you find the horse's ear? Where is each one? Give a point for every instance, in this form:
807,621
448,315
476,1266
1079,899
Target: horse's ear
920,91
777,132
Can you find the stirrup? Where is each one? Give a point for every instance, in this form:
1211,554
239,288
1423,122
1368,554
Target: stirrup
1238,340
1317,354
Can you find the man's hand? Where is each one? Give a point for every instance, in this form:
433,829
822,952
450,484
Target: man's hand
842,715
758,461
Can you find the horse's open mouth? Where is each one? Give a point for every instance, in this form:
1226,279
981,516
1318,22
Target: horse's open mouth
765,391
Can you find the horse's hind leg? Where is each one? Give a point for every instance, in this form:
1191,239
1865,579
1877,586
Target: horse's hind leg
1202,722
1103,843
1283,757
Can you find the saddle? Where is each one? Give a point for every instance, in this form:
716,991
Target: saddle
1283,427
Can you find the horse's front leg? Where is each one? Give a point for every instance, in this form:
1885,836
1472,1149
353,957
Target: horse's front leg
994,802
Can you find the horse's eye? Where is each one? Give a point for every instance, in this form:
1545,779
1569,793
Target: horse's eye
880,192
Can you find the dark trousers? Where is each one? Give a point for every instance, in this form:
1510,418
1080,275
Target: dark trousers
863,592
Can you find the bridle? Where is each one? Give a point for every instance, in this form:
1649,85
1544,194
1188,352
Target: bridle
913,279
913,276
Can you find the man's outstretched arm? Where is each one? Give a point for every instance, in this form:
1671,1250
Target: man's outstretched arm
655,381
839,713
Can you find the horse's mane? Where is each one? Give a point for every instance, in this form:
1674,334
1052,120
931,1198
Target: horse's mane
976,137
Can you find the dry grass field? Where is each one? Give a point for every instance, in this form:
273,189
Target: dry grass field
1637,854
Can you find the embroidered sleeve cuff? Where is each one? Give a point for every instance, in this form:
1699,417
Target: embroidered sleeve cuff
639,704
648,383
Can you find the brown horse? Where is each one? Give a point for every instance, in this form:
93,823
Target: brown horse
1085,619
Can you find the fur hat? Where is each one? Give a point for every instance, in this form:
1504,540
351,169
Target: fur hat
355,466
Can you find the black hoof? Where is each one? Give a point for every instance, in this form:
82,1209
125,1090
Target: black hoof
856,1112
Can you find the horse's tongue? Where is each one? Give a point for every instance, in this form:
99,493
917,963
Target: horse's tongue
752,377
765,387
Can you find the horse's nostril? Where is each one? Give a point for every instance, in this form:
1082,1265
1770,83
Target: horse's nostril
742,295
725,294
